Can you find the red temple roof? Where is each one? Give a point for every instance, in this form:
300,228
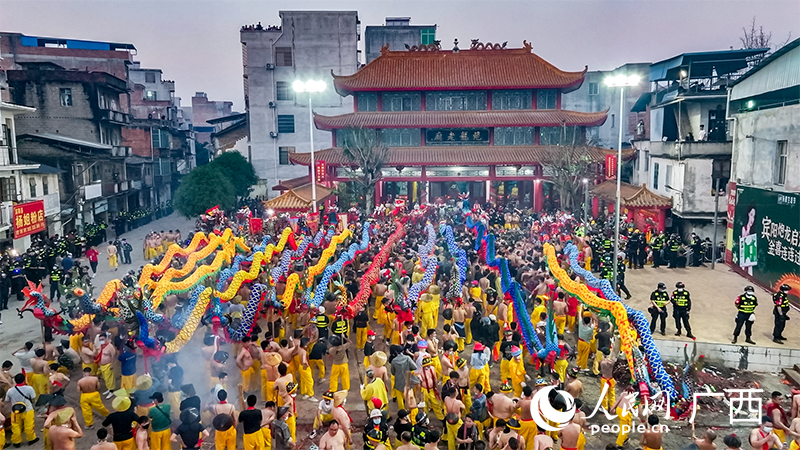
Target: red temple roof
485,118
434,69
478,155
297,199
631,196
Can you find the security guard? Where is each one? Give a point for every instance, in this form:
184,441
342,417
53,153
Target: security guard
657,244
55,278
340,327
681,305
659,299
608,246
621,277
746,304
673,245
420,430
322,323
781,313
607,268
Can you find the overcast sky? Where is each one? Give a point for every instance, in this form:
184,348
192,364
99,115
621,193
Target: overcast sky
196,42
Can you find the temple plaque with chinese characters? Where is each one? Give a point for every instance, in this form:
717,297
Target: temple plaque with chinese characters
457,136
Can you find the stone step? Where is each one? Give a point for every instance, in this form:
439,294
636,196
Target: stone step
792,376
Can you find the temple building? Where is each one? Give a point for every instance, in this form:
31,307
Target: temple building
484,122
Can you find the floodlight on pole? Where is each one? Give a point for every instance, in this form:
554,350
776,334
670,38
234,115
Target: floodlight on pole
620,81
310,87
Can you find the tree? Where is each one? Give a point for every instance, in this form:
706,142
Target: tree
203,188
366,150
569,165
756,37
238,170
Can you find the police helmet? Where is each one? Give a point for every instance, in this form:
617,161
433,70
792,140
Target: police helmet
785,288
749,289
662,286
680,285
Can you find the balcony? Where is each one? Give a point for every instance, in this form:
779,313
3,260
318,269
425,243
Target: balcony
6,215
111,189
116,117
121,151
687,149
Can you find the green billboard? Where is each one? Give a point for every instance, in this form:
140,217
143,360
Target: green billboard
766,237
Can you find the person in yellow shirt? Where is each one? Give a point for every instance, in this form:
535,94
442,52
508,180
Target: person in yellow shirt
374,387
516,371
538,307
427,311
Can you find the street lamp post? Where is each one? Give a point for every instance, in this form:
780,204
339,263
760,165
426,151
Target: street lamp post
619,81
310,87
586,203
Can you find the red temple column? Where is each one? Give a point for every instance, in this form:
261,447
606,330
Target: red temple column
378,189
538,197
595,206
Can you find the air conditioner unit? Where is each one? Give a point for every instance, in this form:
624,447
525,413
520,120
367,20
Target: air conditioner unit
272,105
273,134
270,66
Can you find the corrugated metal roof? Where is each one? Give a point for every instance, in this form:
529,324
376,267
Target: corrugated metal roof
67,140
722,62
780,70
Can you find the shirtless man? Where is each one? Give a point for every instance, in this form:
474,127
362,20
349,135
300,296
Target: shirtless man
573,385
543,442
89,387
569,435
283,380
209,348
707,442
341,416
794,434
381,372
502,407
511,431
269,372
102,443
527,426
560,312
41,371
287,351
651,438
63,435
334,439
244,361
459,315
49,350
105,362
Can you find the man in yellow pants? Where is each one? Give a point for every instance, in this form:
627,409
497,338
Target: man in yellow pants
304,370
374,387
607,372
89,388
585,336
478,361
105,359
516,371
429,384
122,421
20,398
160,423
622,407
339,369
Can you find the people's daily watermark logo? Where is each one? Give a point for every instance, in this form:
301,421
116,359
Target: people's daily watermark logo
545,415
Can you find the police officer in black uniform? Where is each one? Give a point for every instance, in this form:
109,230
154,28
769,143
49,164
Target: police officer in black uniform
781,313
659,299
746,305
420,432
673,245
340,327
621,278
322,323
681,305
657,245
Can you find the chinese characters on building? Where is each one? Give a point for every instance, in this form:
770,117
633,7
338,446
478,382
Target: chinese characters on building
29,219
783,240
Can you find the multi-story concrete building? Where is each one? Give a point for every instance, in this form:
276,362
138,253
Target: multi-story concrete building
161,141
399,34
595,95
204,110
308,45
686,149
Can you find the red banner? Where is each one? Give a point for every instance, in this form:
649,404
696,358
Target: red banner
256,226
611,166
319,171
731,201
29,219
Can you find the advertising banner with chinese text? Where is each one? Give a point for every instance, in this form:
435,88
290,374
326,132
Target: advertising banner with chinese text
766,237
29,219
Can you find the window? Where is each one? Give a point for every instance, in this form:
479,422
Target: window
402,101
8,189
149,77
367,101
559,135
402,137
511,99
283,91
66,96
546,99
647,160
283,155
668,176
721,170
427,36
151,95
283,56
513,135
160,138
594,89
285,123
454,101
45,186
782,156
32,183
612,120
655,175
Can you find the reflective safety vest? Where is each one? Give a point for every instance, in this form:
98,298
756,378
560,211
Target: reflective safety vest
781,300
55,275
322,321
747,303
660,298
657,243
675,246
339,326
419,435
681,298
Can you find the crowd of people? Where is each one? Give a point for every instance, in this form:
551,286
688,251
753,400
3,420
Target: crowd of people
455,371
